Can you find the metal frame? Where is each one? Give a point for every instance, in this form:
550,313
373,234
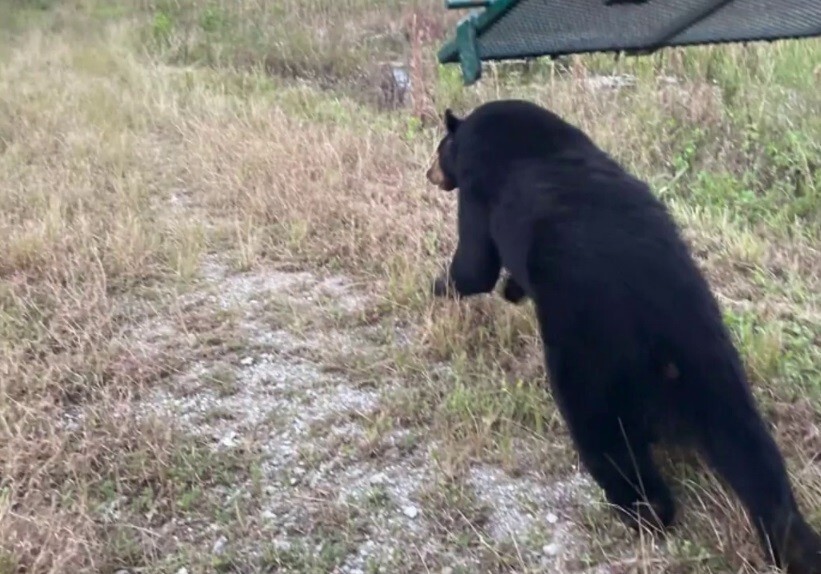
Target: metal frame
464,48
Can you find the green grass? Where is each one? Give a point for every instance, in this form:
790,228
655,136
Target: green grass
170,131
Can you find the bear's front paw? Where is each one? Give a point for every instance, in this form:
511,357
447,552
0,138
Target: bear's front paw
441,287
512,292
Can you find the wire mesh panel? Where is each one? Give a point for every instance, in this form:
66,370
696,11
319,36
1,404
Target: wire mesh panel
522,28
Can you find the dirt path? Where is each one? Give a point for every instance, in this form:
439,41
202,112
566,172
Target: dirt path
334,492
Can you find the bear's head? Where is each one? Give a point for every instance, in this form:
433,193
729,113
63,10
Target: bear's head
442,172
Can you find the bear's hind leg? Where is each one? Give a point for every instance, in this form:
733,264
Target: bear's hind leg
613,444
740,448
622,464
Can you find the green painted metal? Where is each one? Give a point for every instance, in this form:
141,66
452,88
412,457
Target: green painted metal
508,29
469,59
463,48
460,4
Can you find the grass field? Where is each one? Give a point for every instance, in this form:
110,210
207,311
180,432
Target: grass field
217,352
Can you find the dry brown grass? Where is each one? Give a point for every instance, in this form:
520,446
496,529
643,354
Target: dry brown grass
124,160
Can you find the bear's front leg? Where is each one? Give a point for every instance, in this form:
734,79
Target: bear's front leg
475,266
459,282
512,292
441,286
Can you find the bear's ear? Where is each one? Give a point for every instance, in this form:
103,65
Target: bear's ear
451,121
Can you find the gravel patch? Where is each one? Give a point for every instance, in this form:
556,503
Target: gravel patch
310,429
523,505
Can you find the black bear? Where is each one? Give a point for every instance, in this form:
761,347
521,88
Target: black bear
634,343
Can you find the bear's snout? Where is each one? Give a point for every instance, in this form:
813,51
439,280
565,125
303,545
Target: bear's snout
437,177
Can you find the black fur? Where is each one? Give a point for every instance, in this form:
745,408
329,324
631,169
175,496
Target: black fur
512,291
634,342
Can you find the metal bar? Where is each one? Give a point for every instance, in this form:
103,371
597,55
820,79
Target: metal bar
681,24
481,21
460,4
469,59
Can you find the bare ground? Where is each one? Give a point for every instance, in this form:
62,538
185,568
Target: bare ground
308,426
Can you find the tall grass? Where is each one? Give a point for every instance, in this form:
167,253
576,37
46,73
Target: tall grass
136,138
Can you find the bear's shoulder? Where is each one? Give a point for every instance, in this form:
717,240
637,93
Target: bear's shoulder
504,130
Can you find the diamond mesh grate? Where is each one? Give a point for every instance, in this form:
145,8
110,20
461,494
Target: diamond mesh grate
525,28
